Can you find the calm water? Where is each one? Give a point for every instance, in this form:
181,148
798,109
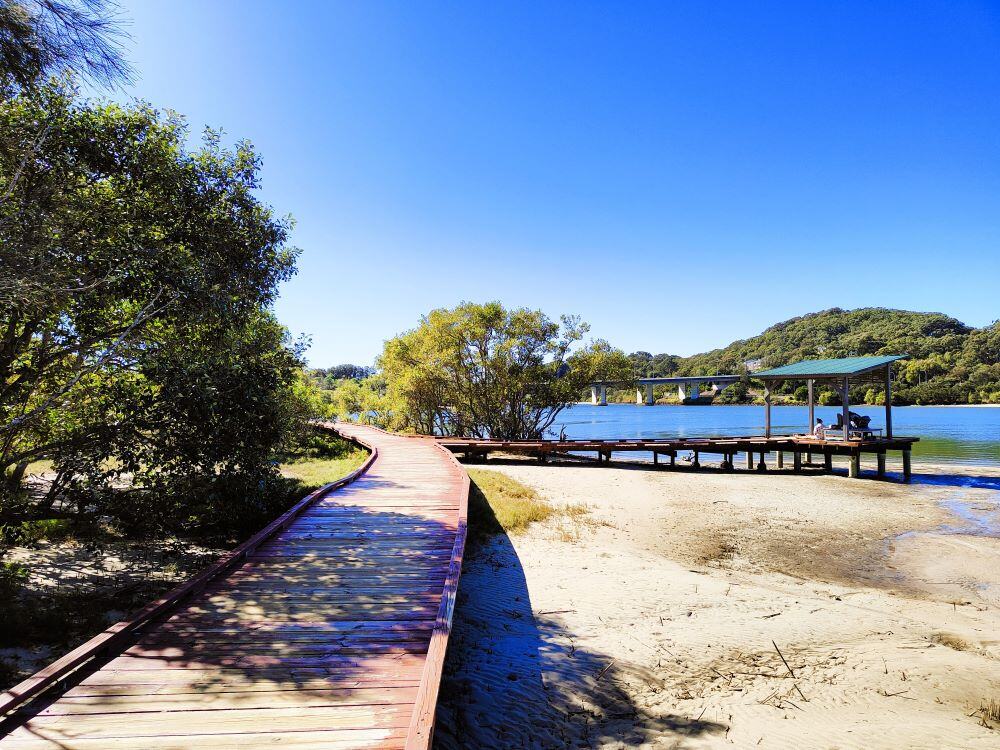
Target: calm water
955,435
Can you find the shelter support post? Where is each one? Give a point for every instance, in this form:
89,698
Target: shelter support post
796,461
846,401
812,416
854,467
695,464
767,410
762,466
881,463
781,459
750,460
656,458
828,461
888,401
907,468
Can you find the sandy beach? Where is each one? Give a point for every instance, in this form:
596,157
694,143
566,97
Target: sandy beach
710,610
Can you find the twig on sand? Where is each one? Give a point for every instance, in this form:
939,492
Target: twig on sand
796,686
727,679
768,617
790,670
897,695
605,670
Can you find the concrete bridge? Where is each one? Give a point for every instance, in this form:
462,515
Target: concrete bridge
688,388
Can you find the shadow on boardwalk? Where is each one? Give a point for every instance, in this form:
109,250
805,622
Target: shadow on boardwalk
322,634
511,682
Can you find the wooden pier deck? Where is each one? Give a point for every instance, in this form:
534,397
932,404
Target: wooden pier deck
326,630
726,446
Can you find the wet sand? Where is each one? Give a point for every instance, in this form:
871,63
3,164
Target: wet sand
712,610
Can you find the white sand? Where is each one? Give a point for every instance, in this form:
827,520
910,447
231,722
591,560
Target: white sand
650,621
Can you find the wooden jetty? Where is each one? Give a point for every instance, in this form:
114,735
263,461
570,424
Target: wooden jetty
803,449
326,630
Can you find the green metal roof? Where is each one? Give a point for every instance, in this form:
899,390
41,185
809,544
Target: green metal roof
828,368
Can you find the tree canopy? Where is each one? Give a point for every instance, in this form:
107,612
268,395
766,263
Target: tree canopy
42,37
484,370
136,279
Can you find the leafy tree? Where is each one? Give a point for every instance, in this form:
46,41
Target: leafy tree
483,370
135,282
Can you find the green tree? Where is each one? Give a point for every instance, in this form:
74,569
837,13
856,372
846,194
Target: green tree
135,282
483,370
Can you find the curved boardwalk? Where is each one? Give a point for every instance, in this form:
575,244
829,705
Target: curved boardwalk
329,633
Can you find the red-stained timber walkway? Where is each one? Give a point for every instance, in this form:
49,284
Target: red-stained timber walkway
326,630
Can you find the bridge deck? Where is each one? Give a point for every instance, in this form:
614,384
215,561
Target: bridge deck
329,633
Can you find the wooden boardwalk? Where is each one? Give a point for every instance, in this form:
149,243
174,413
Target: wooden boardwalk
327,631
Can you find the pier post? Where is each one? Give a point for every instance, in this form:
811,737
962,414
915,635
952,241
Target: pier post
638,397
681,393
656,458
727,461
828,461
649,394
593,395
695,464
854,467
750,460
604,396
796,461
907,468
673,458
781,459
762,466
881,463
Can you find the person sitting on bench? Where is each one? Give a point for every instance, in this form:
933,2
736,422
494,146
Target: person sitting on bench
858,422
819,431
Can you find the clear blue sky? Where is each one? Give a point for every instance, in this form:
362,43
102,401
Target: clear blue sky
679,174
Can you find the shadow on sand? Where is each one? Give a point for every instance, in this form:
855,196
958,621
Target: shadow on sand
516,678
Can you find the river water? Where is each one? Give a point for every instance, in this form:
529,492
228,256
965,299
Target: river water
956,435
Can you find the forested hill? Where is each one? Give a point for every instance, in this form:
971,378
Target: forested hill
950,361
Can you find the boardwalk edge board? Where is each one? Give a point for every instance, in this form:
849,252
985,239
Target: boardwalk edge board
113,636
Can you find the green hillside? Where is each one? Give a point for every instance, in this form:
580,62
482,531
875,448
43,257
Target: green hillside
951,363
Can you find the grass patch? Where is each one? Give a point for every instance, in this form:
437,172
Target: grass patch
950,640
499,504
989,712
312,473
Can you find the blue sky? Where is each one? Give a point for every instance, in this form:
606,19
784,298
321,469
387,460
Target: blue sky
679,174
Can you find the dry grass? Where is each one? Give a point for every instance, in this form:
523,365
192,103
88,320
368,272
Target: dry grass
498,504
989,712
950,640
